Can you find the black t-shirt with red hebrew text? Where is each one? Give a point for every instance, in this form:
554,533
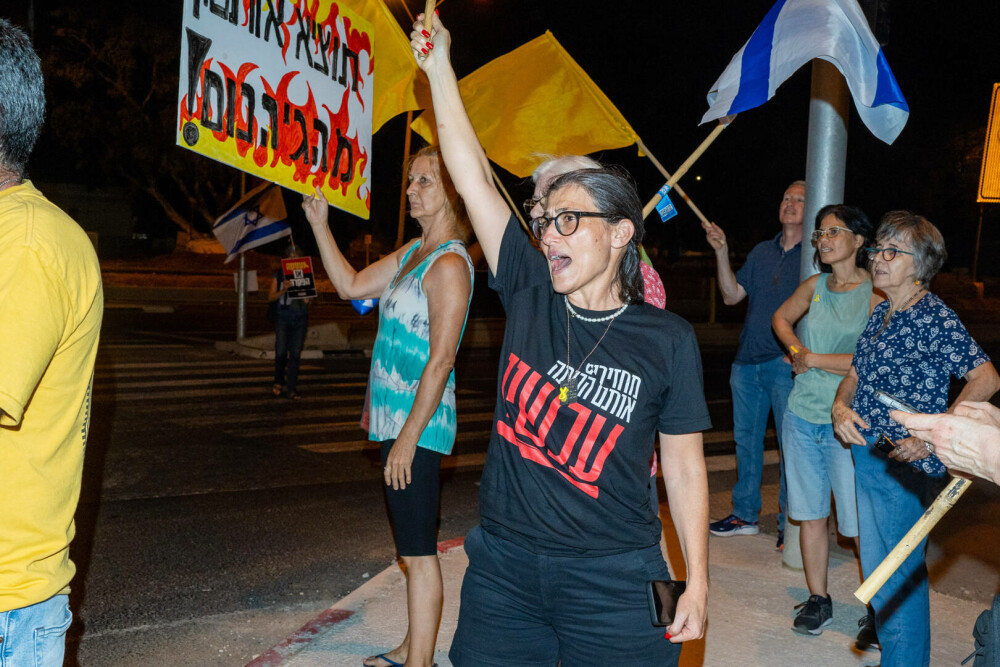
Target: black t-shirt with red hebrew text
573,479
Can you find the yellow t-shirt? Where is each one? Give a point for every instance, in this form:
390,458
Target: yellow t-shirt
51,304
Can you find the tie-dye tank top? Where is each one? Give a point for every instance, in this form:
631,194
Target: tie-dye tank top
402,348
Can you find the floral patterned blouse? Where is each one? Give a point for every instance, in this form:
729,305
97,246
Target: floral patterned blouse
913,359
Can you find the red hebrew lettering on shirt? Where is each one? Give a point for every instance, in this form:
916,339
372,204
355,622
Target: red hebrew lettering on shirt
535,405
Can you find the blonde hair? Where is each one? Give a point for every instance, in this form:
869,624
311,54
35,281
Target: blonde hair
455,201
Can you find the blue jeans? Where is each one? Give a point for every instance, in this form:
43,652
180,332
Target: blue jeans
35,636
289,337
757,390
816,464
524,609
891,497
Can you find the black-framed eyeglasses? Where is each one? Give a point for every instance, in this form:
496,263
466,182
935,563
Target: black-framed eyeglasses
888,254
530,203
566,222
832,232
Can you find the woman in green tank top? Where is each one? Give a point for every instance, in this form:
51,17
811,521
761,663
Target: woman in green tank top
831,309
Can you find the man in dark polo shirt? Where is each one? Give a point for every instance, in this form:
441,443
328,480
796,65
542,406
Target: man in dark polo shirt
760,379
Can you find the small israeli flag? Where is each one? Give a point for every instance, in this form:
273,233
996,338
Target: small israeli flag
258,218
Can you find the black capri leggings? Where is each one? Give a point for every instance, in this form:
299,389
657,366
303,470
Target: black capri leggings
414,510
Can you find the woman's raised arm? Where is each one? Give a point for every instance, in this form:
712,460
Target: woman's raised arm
463,155
349,283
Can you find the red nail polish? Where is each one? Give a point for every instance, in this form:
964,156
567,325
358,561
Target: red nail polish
423,51
425,33
436,13
429,45
666,635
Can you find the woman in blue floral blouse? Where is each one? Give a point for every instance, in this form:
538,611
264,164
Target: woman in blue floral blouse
911,347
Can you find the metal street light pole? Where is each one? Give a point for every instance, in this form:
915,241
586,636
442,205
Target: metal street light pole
826,155
826,160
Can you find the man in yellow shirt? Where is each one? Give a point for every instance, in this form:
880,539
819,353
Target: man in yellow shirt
51,303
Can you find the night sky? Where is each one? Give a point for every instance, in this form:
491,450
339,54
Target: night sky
657,60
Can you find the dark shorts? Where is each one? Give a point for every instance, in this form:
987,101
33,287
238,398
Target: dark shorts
524,609
414,510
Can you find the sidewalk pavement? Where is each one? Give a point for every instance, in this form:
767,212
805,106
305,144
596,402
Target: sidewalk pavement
750,616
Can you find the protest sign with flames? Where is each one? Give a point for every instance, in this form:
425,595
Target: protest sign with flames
281,89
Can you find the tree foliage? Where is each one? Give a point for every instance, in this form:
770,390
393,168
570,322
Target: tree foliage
112,83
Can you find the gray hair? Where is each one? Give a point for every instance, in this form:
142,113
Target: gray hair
614,194
929,253
560,164
22,97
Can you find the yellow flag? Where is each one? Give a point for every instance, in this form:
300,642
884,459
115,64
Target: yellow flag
536,99
399,84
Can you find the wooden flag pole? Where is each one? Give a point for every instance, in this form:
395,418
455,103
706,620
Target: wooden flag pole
944,502
683,169
428,22
408,12
428,15
510,202
649,207
402,190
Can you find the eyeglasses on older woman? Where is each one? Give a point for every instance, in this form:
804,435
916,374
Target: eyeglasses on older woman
888,254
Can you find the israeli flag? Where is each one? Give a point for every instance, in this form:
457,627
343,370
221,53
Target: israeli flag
258,218
793,33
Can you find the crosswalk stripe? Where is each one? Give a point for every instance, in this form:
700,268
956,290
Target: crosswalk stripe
213,393
715,463
712,437
346,409
122,389
120,376
348,446
129,346
277,430
207,363
244,379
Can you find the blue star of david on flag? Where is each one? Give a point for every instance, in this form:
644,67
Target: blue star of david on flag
258,218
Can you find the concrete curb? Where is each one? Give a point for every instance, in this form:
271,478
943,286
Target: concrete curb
311,637
750,612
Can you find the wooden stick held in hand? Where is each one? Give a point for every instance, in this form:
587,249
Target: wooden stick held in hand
944,502
428,15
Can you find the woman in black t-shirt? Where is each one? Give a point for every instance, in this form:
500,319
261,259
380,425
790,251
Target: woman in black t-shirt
568,537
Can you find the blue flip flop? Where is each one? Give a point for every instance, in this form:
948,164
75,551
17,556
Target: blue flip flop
392,663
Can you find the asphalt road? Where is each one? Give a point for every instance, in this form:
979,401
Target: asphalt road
216,520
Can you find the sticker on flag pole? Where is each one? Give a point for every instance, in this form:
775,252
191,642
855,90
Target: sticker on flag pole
665,207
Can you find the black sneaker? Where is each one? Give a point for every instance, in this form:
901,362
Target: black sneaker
780,544
733,525
816,614
867,637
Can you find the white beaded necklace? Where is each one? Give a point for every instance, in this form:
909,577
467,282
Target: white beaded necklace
578,316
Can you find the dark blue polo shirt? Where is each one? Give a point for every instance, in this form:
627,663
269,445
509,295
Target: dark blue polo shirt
769,276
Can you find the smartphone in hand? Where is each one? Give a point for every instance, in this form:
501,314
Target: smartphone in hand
884,443
893,403
663,596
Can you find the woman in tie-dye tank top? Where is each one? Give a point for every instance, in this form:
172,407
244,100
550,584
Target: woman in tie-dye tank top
424,289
